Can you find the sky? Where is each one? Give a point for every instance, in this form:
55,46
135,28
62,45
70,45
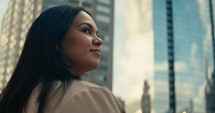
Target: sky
119,48
3,7
119,43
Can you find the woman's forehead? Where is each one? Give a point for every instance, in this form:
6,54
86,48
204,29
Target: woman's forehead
83,17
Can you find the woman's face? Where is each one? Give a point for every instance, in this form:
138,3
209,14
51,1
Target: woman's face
81,46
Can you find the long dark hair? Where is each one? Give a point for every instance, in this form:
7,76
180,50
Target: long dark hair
40,61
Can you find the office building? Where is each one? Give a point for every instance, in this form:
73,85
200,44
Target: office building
210,85
168,43
210,92
20,15
15,23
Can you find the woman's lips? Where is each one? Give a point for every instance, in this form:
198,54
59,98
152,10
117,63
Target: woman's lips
97,51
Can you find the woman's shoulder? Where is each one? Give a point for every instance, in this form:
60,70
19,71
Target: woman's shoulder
80,97
91,97
84,84
78,87
90,86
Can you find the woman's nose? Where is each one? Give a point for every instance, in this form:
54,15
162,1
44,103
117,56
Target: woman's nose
97,41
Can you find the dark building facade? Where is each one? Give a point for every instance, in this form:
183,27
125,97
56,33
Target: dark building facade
171,60
210,95
210,85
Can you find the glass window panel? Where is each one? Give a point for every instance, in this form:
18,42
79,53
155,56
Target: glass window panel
103,18
103,9
104,1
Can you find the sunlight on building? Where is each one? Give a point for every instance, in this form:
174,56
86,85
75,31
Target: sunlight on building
138,111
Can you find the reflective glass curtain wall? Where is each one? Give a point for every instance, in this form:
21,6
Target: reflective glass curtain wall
193,61
147,32
193,53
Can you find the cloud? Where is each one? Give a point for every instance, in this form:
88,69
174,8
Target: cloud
203,9
161,67
179,66
208,48
193,54
199,100
187,91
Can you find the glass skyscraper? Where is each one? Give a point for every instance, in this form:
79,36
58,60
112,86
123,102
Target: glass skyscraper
151,50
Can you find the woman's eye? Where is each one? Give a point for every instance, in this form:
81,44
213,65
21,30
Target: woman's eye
86,30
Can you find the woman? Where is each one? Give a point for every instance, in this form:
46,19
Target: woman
61,45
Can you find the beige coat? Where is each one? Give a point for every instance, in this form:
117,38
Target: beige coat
78,97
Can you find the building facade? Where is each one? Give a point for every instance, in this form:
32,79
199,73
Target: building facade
16,21
210,93
210,85
168,44
20,15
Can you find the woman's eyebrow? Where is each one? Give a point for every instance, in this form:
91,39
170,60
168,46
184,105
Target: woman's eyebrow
86,23
89,25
